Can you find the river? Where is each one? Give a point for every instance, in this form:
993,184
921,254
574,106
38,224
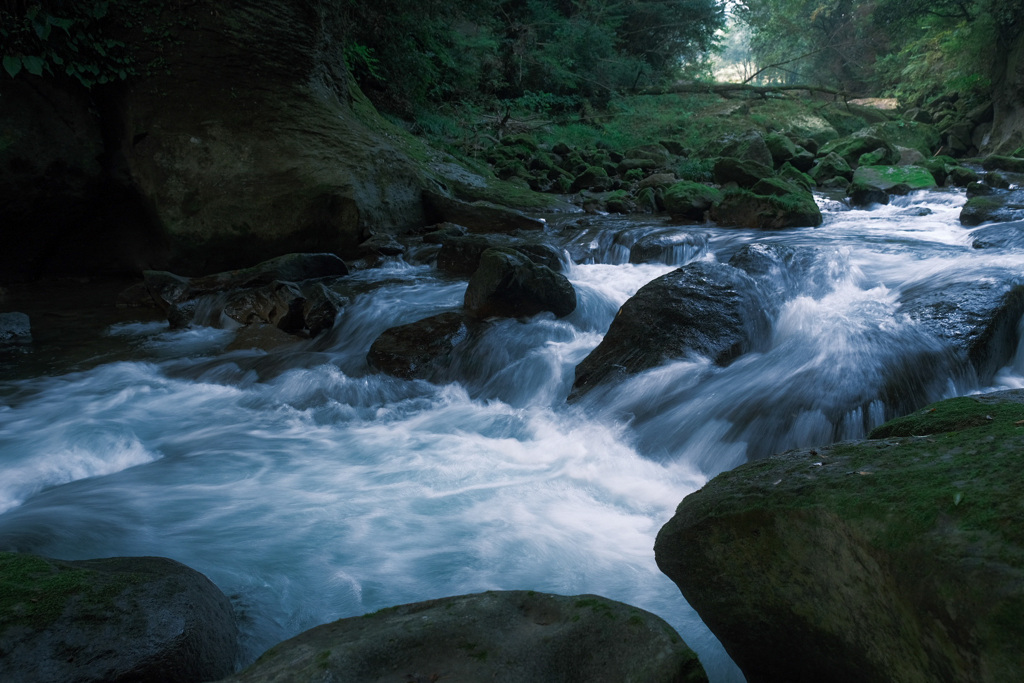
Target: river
309,489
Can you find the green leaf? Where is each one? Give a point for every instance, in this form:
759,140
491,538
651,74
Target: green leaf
12,64
34,65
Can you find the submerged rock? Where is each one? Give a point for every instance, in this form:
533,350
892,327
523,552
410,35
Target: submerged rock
702,309
508,284
15,329
113,620
421,349
893,560
510,636
1000,235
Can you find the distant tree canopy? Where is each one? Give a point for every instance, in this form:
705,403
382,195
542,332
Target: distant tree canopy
915,49
410,53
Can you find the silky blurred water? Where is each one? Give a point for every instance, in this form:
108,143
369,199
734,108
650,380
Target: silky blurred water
308,488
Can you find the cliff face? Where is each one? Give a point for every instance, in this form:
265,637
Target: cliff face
244,144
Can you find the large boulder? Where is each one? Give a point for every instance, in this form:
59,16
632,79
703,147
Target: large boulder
703,309
508,284
998,206
891,560
831,166
866,141
112,621
748,146
743,172
976,318
422,349
771,205
509,636
1003,163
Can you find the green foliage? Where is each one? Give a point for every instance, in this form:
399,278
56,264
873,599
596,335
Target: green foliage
84,41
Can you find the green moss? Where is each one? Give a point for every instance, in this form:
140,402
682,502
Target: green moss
888,177
37,592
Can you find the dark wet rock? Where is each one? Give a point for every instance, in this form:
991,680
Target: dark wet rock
997,180
745,173
591,178
791,207
479,216
978,319
507,636
831,166
1003,163
783,271
287,292
670,247
381,245
262,337
1000,235
703,309
863,194
112,620
998,207
442,231
460,255
508,284
689,200
898,559
15,329
977,189
961,176
421,349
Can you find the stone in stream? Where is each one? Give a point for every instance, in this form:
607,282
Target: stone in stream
874,184
498,636
997,206
112,620
977,318
460,254
422,349
897,559
702,309
772,204
508,284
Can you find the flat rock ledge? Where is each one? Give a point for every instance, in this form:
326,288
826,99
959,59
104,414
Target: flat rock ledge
899,558
507,636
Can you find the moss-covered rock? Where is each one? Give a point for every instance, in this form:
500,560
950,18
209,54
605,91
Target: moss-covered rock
112,620
781,148
502,636
894,559
744,208
1003,163
690,201
873,184
591,178
792,174
851,147
998,207
744,173
961,176
831,166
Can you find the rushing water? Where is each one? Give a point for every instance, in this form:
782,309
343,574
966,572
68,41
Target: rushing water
308,488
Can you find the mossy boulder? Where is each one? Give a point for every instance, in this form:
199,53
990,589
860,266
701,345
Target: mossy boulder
591,178
781,205
1003,163
873,184
999,206
748,146
689,200
508,284
502,636
961,176
781,148
895,559
113,620
745,173
831,166
852,147
795,176
901,133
